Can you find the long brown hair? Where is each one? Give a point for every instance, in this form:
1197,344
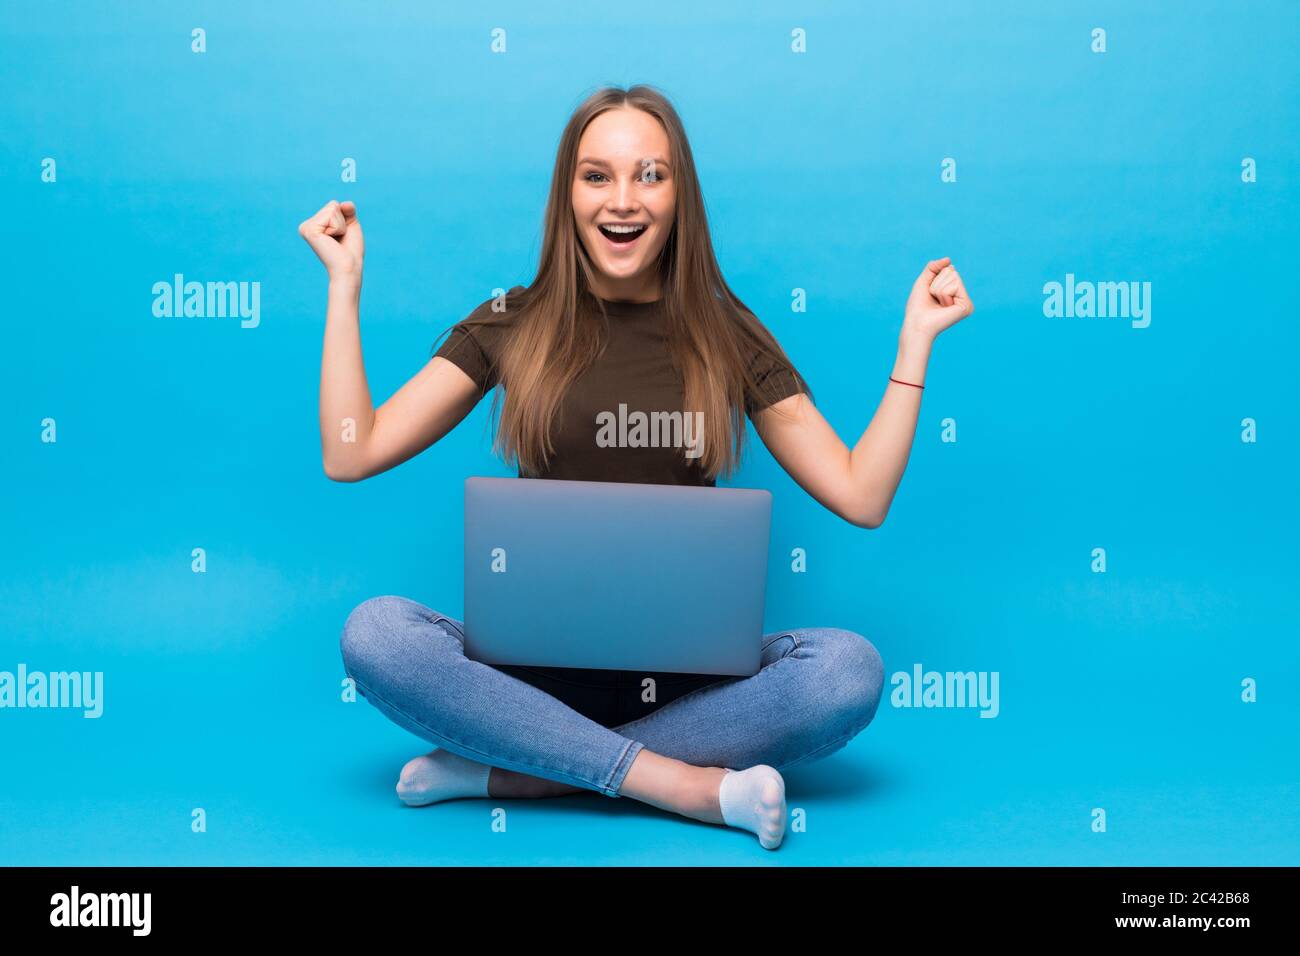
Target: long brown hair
559,327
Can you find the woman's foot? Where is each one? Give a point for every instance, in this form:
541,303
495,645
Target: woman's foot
441,775
754,800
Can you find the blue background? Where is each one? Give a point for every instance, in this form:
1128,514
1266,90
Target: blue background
821,171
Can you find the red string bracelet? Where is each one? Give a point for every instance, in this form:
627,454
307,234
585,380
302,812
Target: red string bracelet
900,382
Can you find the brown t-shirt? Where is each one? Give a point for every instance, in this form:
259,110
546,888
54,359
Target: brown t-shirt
596,440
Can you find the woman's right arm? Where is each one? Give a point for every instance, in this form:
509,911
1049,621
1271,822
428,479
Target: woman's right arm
358,440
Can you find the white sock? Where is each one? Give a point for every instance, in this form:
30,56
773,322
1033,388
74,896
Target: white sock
754,800
442,775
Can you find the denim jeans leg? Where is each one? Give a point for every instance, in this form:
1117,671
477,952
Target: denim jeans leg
817,688
409,662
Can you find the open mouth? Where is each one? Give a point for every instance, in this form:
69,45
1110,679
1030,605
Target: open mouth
621,235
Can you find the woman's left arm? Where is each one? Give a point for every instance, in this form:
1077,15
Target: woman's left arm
859,485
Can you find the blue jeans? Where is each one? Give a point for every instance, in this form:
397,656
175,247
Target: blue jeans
817,688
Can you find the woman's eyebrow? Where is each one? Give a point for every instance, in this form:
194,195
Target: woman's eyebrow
592,160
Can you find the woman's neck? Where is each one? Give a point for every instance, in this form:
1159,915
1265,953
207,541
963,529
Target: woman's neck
627,290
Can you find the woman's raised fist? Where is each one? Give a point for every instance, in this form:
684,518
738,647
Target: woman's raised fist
334,234
938,300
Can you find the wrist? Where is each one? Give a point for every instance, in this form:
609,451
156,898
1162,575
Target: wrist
913,357
911,339
345,286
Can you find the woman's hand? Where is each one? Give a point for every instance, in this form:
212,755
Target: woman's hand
334,234
938,300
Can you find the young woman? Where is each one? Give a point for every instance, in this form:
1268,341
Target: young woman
628,307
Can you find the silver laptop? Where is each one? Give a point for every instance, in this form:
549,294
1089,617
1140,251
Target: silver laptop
615,575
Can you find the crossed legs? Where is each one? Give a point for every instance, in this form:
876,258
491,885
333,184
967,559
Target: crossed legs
817,688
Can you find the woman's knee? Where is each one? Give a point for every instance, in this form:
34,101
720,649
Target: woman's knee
372,631
854,674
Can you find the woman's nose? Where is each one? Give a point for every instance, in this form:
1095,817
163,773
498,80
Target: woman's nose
624,195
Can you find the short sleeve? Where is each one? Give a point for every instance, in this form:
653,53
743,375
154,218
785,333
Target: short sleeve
777,379
464,350
474,343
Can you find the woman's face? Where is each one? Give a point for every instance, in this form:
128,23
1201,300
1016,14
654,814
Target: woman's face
623,179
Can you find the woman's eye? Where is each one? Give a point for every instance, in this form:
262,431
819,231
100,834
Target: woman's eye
648,176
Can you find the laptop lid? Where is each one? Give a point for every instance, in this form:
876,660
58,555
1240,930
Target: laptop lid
615,575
